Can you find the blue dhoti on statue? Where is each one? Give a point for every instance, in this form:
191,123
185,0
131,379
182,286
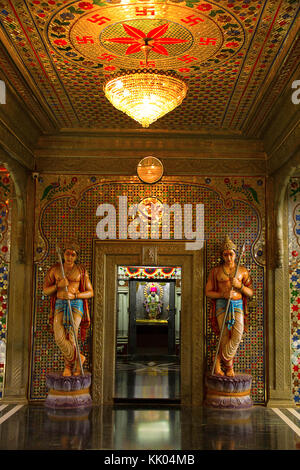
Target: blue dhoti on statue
62,306
234,306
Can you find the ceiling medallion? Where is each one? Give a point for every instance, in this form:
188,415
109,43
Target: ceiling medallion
184,39
148,46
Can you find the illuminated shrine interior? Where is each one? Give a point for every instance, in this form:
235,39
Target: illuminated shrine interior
138,136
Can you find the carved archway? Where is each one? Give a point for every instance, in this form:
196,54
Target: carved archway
20,283
279,320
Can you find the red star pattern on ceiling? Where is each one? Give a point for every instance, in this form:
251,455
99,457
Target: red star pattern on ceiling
137,39
61,52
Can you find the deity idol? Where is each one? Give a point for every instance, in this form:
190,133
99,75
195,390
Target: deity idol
226,285
153,304
74,288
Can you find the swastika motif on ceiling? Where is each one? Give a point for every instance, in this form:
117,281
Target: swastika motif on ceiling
237,61
113,36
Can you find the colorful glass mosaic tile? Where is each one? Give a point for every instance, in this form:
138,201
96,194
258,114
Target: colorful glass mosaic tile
66,206
226,50
294,272
5,233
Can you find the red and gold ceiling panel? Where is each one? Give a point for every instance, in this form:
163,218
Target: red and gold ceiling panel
225,49
112,37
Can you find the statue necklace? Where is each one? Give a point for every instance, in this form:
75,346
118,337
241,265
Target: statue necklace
68,273
225,272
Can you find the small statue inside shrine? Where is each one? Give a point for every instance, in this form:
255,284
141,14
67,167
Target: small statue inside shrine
152,303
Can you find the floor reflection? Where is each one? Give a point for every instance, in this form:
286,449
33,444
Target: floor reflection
147,427
71,427
148,378
233,427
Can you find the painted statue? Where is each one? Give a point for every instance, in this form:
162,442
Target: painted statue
75,287
225,283
153,303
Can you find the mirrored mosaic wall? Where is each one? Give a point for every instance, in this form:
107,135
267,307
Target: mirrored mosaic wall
294,272
66,207
5,233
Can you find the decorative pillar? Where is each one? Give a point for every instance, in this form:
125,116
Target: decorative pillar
20,283
279,321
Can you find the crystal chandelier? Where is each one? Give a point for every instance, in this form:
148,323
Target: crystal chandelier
145,95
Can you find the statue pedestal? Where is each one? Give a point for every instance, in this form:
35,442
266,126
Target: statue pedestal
228,392
68,392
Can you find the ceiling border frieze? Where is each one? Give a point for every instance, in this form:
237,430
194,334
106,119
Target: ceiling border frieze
168,145
172,166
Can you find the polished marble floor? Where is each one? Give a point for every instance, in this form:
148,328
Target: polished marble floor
148,427
147,416
145,377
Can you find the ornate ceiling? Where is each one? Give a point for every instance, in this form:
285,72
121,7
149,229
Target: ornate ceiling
236,55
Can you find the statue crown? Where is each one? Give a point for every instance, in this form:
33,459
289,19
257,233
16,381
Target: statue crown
228,244
72,244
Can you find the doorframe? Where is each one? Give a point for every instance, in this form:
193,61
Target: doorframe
107,256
